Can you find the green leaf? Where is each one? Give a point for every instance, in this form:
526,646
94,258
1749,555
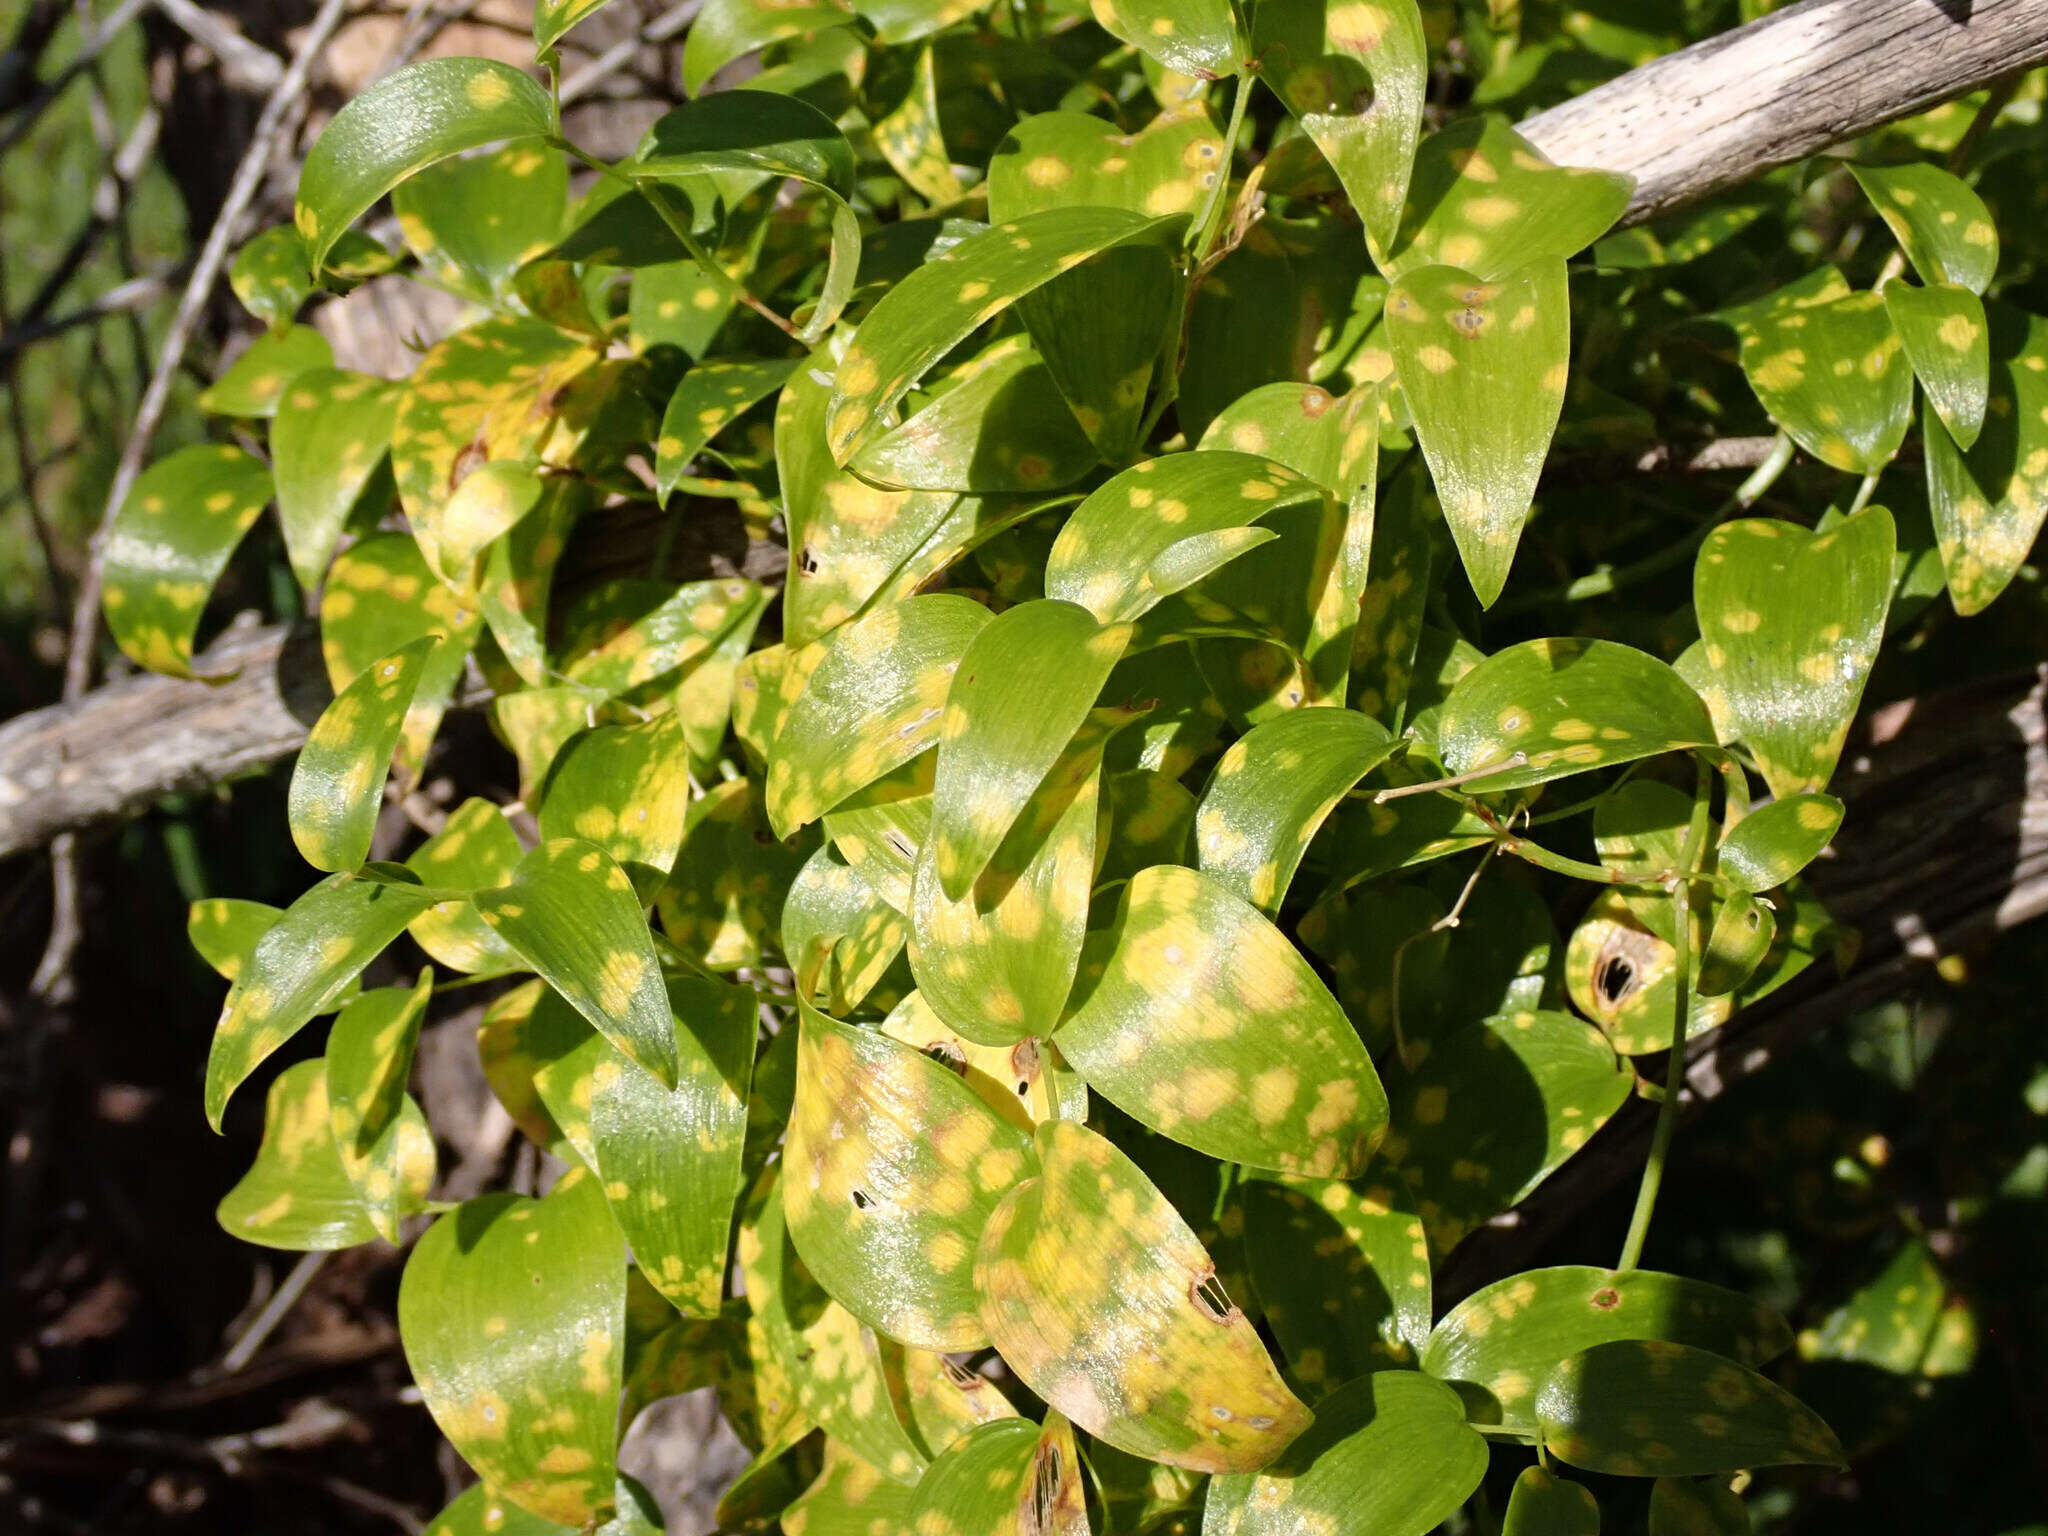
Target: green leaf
1827,365
942,303
1743,932
1543,1505
1196,1016
225,930
408,120
1190,37
1483,365
710,398
1074,159
1484,199
1505,1337
1948,342
1397,589
725,30
1940,223
571,914
625,788
387,1155
1623,976
1776,841
513,1316
668,1159
1681,1508
270,276
1311,1242
256,381
474,222
724,898
1792,621
1652,1408
1354,75
1390,1453
1988,502
1565,706
1027,1074
1493,1109
477,1511
1007,1478
1102,1300
1021,690
838,934
301,967
332,432
1271,793
337,786
168,544
892,1167
848,1498
297,1195
552,18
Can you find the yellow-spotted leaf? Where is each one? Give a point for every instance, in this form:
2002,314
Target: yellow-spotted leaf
521,1030
1827,365
1739,939
1505,1337
1312,1241
1988,502
406,121
256,381
1483,198
1074,159
1191,37
270,277
847,1498
1483,364
1623,976
1030,1074
940,304
892,1167
1493,1109
552,18
1271,793
297,1195
478,1511
513,1316
1548,708
224,930
725,30
569,912
941,1400
633,638
709,399
1948,342
1776,841
1389,628
625,788
668,1159
1022,688
1792,621
168,544
908,131
337,785
1354,73
1196,1016
1544,1505
1101,1299
330,437
302,966
369,1059
1390,1453
838,934
874,701
1009,1478
1652,1408
488,503
725,893
475,849
1940,223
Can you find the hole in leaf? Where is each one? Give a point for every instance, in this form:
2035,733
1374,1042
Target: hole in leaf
1208,1295
1616,978
960,1376
947,1053
860,1200
806,561
1045,1491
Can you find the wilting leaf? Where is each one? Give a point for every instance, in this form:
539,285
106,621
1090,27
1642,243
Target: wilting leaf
411,118
1792,622
1483,364
1652,1408
1196,1016
710,398
337,785
379,598
1192,37
509,1303
1940,223
1103,1302
1310,1242
1826,363
891,1169
838,934
1271,793
1354,74
874,702
1682,1508
255,382
1505,1337
168,544
332,431
668,1159
571,914
1776,841
1988,503
1563,706
301,967
1002,425
1948,341
1543,1505
297,1195
387,1155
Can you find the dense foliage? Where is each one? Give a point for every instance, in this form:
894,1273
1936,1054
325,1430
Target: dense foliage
1183,845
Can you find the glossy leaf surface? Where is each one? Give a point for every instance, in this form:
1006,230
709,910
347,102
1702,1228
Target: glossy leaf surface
337,785
332,431
1941,224
256,381
1948,343
1546,1505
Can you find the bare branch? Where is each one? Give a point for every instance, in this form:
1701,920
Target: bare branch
245,65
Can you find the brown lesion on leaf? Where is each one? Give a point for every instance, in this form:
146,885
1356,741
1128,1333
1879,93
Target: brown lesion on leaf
1211,1299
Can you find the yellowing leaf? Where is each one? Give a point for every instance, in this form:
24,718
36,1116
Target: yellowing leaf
337,786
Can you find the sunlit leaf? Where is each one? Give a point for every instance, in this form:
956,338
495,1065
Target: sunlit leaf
387,1154
838,934
552,18
848,1498
270,275
1009,1478
256,381
224,930
477,1511
1074,159
1948,342
332,431
710,398
337,785
1941,224
1774,842
1623,976
725,30
625,788
1193,37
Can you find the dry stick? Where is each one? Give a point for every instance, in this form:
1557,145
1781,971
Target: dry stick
667,25
287,1295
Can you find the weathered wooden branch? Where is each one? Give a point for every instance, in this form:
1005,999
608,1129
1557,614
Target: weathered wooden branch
1780,89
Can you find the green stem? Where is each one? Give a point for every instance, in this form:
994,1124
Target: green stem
1689,856
1211,221
1863,494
